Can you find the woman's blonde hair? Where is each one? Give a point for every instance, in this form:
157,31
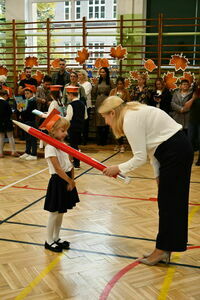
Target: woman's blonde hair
84,73
61,123
116,104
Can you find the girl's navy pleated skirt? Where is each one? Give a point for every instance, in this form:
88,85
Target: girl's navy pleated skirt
58,198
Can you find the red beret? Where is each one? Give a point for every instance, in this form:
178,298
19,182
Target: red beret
55,87
30,87
72,89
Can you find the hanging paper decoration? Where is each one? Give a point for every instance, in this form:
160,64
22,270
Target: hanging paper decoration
82,56
188,76
3,70
149,65
38,76
127,83
55,63
101,62
134,74
31,61
118,52
179,61
170,80
94,80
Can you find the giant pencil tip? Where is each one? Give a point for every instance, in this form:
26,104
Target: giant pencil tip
21,125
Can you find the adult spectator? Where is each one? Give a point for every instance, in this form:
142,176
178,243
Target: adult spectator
123,93
62,77
141,91
27,80
43,94
194,120
100,92
161,97
83,81
180,113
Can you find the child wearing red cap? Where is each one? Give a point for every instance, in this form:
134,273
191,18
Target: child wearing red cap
28,118
56,103
61,192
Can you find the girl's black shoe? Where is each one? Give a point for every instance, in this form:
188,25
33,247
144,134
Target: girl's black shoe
57,248
63,245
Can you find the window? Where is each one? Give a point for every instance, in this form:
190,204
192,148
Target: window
2,10
96,9
78,10
68,10
98,49
114,9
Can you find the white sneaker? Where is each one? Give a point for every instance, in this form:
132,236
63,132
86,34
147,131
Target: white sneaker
24,156
31,157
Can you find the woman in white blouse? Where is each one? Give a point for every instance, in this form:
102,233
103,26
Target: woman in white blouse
151,132
83,81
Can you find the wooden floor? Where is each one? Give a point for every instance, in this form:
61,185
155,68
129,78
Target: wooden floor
113,225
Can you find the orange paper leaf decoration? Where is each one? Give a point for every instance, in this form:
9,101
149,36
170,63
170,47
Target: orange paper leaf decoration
170,80
101,62
134,74
31,61
3,70
118,52
22,76
82,56
149,65
188,76
179,61
127,83
94,80
55,63
38,76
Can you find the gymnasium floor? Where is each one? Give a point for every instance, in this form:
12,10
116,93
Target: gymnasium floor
110,228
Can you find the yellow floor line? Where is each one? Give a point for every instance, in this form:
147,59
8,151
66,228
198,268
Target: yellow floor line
171,270
37,280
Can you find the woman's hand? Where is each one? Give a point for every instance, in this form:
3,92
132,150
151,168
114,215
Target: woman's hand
111,171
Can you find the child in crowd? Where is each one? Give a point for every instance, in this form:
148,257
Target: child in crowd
28,118
76,114
6,125
56,103
61,193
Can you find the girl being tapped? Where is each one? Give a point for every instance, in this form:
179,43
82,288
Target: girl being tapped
61,193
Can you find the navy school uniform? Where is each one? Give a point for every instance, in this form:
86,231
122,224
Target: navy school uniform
28,118
76,126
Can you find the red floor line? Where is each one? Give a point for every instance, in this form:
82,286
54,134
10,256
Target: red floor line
116,278
193,247
122,272
99,195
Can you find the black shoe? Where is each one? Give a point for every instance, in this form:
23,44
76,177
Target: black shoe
57,248
63,245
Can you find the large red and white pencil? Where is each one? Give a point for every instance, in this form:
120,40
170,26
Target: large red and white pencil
65,148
